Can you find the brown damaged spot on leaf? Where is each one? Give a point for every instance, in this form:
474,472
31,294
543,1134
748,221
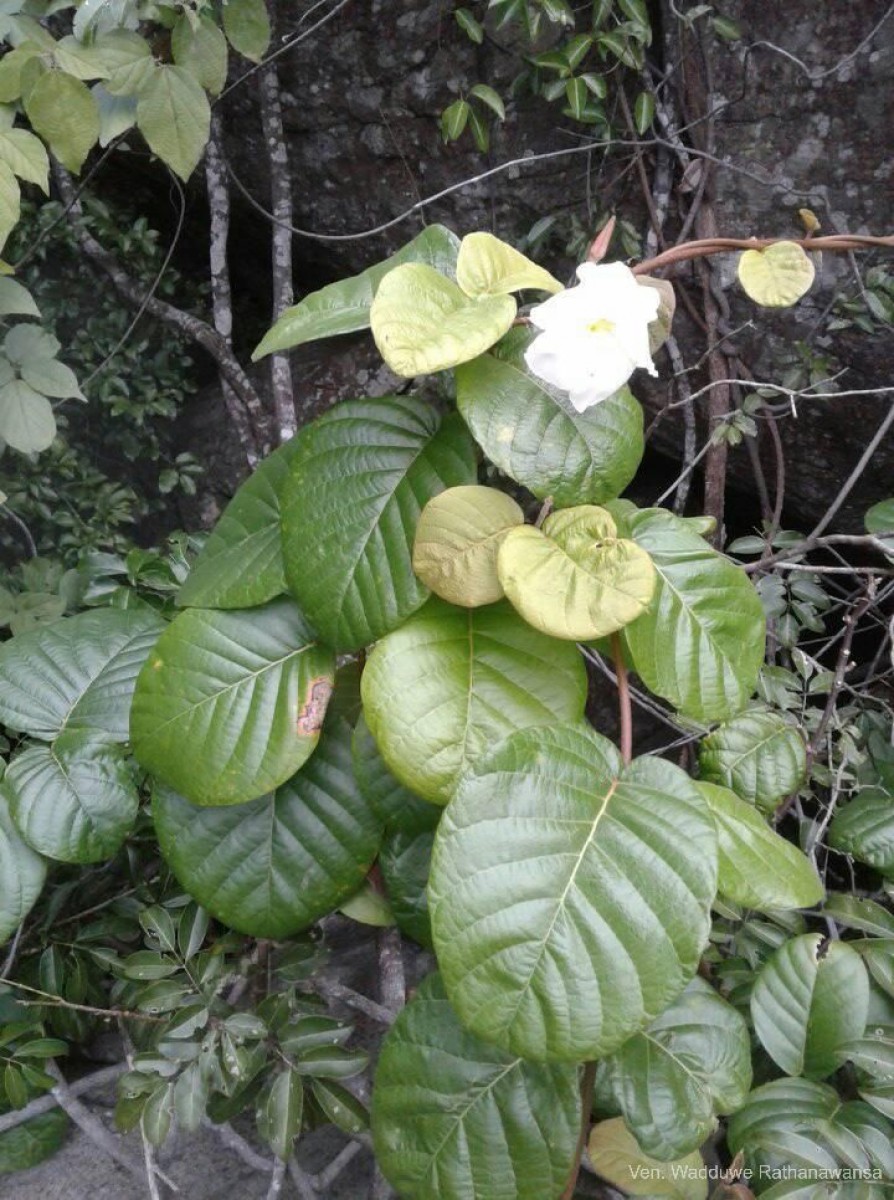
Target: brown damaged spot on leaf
310,718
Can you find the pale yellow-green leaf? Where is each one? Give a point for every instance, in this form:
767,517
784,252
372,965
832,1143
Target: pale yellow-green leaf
80,59
128,60
52,378
11,65
369,907
26,156
422,322
757,868
488,267
574,578
64,113
117,114
659,329
10,202
615,1155
16,300
457,539
778,276
26,418
201,50
247,27
174,117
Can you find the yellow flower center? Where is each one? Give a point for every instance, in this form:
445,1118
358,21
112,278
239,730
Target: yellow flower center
603,325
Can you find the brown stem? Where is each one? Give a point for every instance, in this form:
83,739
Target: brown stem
705,247
588,1079
624,706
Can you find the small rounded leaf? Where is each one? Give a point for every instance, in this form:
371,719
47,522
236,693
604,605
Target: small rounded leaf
778,276
457,539
575,578
451,682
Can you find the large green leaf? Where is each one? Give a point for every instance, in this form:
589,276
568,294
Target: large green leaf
423,322
22,875
574,578
230,704
240,566
615,1155
360,477
452,681
27,422
457,540
701,644
570,896
64,113
792,1124
757,868
30,1143
343,307
865,829
671,1080
202,50
808,1000
531,432
758,754
453,1116
76,674
274,866
74,801
174,117
397,807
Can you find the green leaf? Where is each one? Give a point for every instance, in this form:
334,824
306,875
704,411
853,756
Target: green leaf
644,111
368,907
27,423
25,156
701,644
422,322
405,863
857,913
365,470
865,829
230,704
879,520
10,202
157,1114
493,100
794,1123
30,344
128,60
74,801
531,433
16,300
174,117
556,863
578,95
808,1000
758,754
191,1098
241,565
574,578
488,267
777,276
454,119
457,539
451,682
396,806
51,378
11,66
340,1106
22,875
274,866
452,1116
30,1143
671,1080
757,868
469,25
615,1155
279,1112
201,50
117,114
64,113
343,307
77,674
247,27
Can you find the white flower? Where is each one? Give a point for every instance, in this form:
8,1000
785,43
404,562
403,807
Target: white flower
594,335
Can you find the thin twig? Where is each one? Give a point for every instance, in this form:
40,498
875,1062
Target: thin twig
277,1178
48,1000
236,1142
